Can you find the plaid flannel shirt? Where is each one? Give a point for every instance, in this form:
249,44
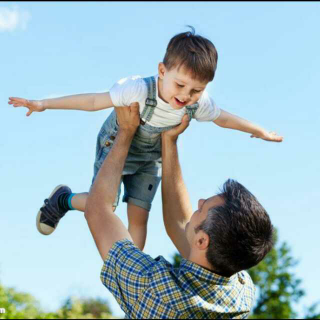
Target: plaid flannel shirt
148,288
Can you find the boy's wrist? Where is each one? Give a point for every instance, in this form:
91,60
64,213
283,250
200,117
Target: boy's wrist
259,132
44,104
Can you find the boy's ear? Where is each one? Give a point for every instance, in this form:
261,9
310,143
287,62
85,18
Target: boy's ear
161,70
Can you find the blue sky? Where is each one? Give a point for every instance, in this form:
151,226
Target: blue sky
268,72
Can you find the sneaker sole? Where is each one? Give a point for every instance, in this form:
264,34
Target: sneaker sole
49,229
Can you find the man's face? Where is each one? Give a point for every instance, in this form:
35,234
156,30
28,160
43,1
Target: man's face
177,87
200,215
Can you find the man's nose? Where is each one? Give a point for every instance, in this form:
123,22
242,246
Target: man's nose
200,203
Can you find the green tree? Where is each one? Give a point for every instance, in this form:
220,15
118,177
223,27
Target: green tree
278,288
19,305
84,308
312,312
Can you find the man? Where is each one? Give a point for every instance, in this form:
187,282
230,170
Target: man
229,232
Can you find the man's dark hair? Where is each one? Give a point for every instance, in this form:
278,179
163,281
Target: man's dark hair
240,231
196,54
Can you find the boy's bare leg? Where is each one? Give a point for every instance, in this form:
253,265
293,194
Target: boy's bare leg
138,219
79,201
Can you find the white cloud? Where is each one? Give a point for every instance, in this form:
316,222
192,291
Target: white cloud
13,19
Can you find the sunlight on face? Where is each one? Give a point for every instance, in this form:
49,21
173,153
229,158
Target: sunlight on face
177,87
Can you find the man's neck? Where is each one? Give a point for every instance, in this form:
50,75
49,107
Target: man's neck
200,260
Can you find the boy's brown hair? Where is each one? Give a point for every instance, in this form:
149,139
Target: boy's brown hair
195,53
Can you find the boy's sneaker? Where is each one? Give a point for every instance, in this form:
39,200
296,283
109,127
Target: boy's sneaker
50,213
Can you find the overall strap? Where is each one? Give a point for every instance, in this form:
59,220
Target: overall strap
151,101
191,110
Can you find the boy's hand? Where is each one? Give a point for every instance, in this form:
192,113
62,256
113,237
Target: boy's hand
268,136
128,117
32,105
176,131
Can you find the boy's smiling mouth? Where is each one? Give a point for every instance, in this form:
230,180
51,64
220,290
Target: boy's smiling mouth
180,103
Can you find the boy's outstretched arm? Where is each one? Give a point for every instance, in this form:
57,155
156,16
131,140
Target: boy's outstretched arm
84,102
105,226
228,120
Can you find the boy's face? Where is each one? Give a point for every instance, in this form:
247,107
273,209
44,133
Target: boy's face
177,87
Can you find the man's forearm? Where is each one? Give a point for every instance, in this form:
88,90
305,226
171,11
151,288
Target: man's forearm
108,179
105,226
177,209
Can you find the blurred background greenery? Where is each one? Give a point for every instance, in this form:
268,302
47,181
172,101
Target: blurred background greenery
278,294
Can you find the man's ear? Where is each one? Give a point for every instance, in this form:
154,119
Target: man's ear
161,70
202,240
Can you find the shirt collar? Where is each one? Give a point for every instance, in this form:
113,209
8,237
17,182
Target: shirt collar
206,275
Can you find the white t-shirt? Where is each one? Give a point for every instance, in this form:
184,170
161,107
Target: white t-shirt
134,89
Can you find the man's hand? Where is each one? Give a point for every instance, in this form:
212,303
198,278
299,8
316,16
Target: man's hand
128,117
173,133
268,136
32,105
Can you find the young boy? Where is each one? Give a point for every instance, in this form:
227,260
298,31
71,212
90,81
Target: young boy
179,88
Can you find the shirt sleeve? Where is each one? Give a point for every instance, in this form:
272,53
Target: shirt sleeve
126,273
208,110
128,90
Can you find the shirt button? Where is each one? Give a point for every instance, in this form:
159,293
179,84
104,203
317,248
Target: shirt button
112,137
108,144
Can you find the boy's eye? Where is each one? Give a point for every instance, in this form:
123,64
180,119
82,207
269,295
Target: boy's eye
197,91
180,85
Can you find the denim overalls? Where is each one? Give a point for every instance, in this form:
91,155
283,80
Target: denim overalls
142,170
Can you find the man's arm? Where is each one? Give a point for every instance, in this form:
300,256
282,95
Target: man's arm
84,102
231,121
105,226
177,210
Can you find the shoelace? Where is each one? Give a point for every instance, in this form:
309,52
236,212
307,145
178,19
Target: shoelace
51,213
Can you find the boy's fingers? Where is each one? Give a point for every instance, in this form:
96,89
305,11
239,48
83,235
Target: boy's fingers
29,113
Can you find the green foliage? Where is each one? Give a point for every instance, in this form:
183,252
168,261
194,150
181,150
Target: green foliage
312,312
75,308
176,260
18,305
23,306
278,287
